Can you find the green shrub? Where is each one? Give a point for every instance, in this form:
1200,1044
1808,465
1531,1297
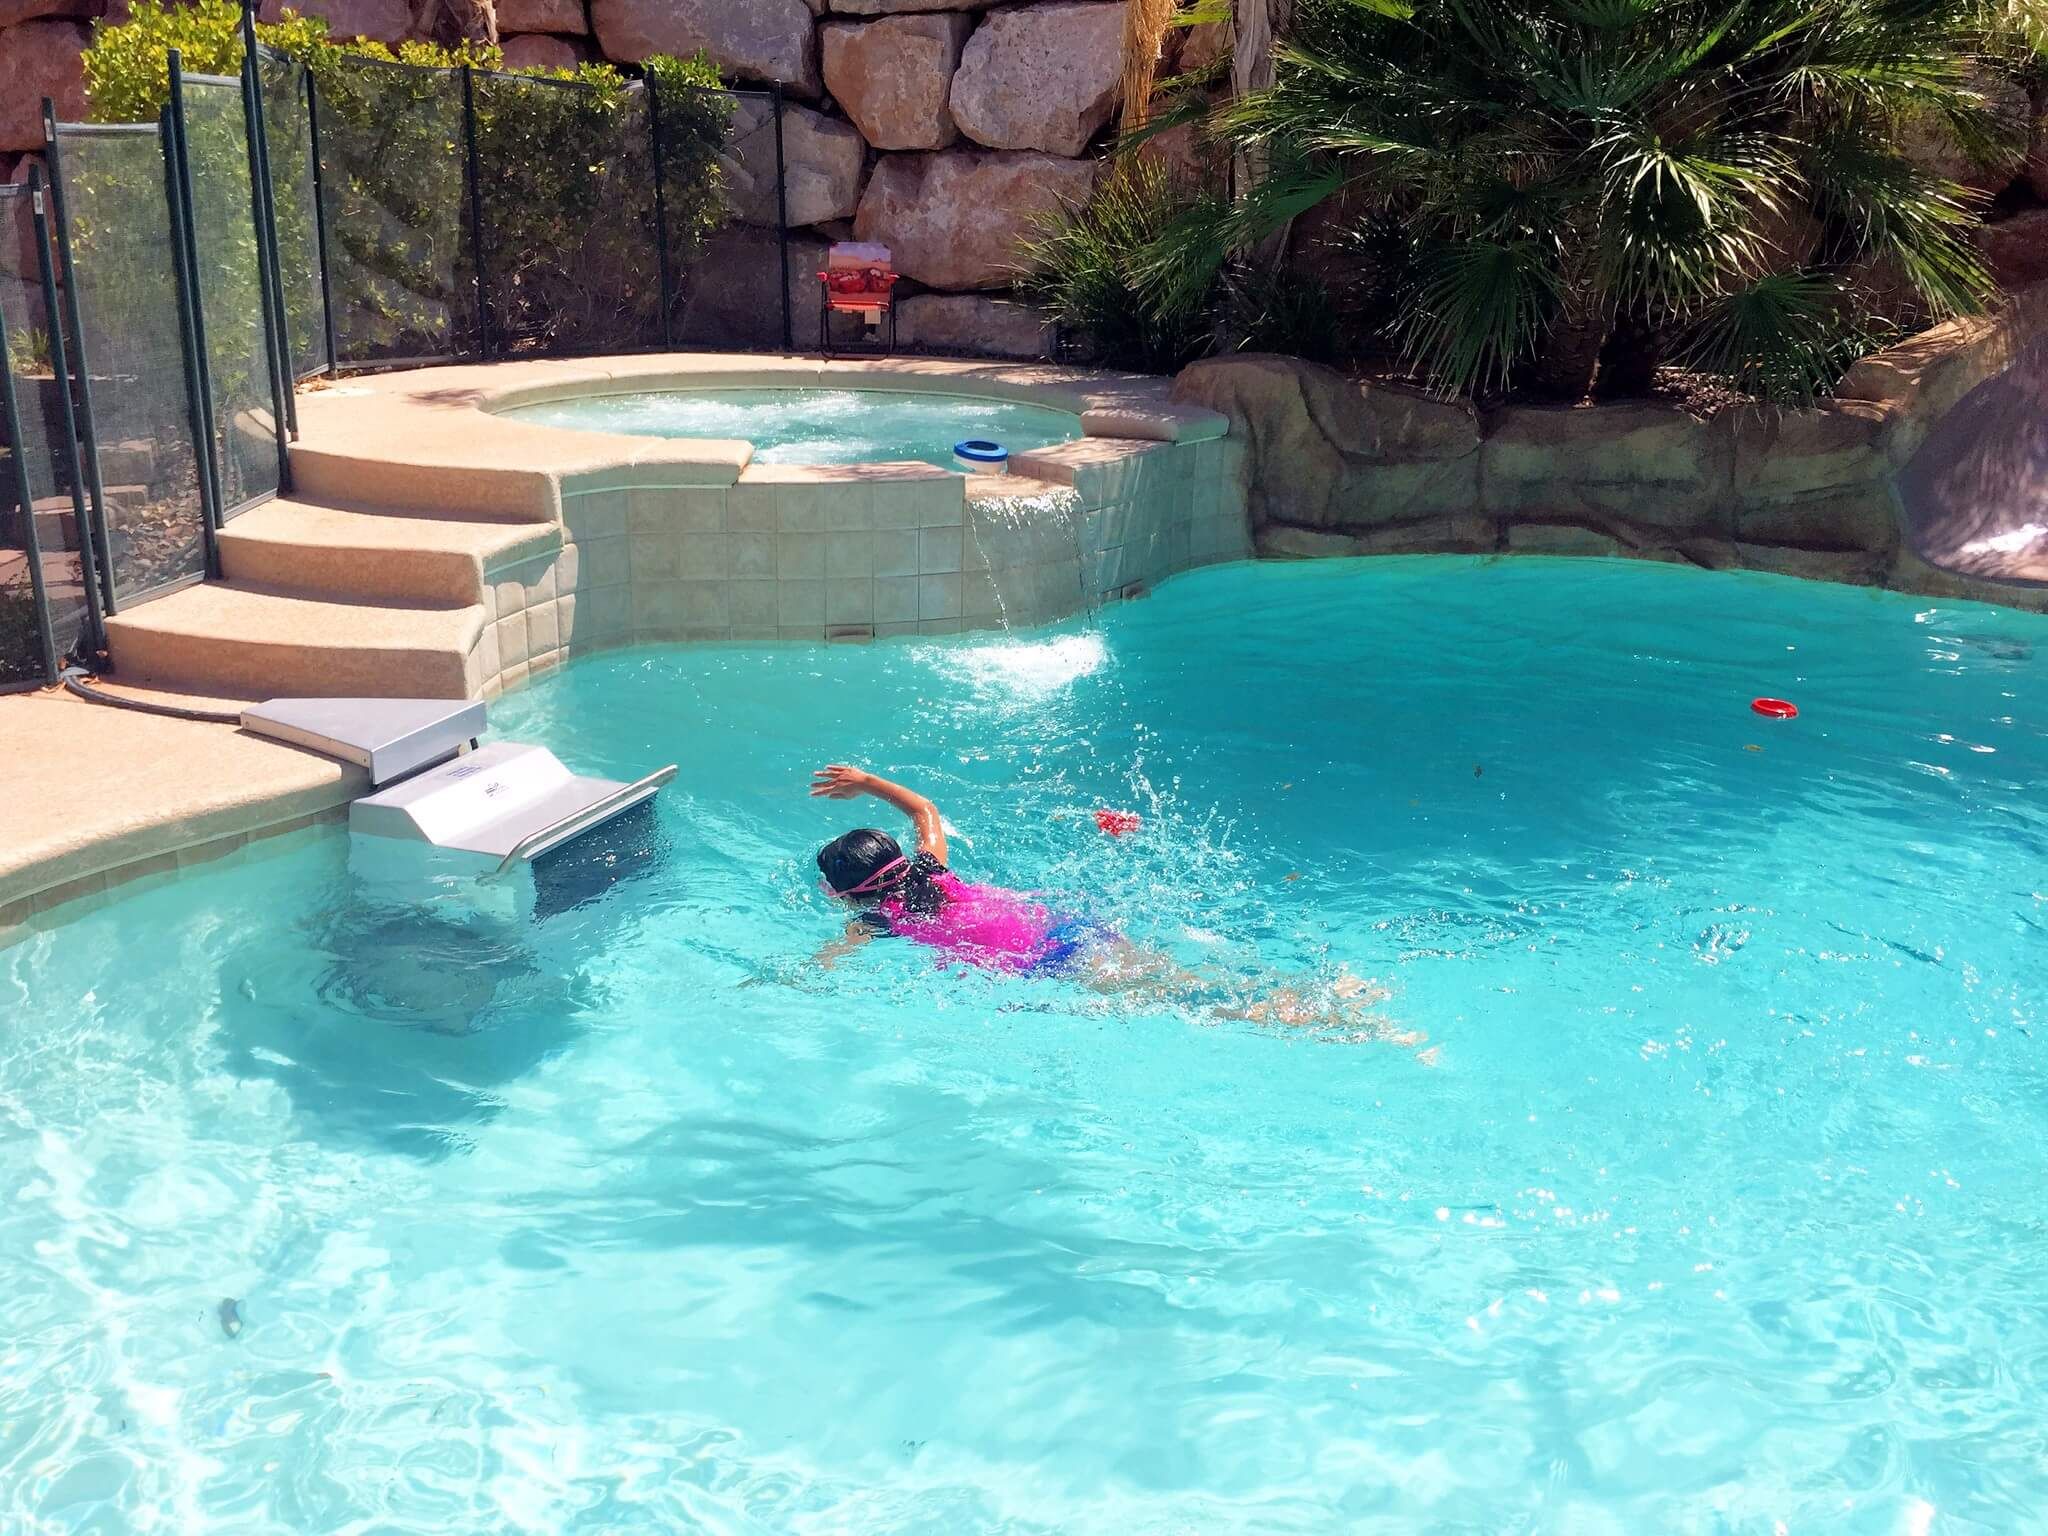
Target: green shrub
1087,266
1579,178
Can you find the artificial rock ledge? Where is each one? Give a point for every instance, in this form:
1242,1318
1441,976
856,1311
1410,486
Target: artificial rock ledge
1340,466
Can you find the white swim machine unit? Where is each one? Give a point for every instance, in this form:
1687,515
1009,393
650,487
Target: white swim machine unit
484,810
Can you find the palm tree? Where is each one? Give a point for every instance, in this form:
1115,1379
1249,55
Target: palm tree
1573,178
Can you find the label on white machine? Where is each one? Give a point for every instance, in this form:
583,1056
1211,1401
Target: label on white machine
450,804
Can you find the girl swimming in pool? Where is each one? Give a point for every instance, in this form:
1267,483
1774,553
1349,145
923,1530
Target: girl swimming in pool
917,897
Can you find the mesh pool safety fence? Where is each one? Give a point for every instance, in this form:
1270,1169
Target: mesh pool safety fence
231,297
144,472
303,218
41,602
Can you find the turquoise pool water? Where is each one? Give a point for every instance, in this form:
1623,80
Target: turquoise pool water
817,426
1721,1208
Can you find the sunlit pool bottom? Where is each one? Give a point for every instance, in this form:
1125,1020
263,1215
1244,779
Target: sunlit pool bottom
1720,1207
817,426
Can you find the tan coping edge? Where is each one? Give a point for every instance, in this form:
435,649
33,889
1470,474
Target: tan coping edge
52,906
435,434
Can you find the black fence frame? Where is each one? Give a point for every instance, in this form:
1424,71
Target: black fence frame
78,454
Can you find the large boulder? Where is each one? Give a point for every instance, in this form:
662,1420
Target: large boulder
381,21
822,157
735,299
2016,249
544,50
1329,452
899,7
972,323
754,39
892,76
14,12
1813,479
564,16
38,59
1927,142
1041,77
955,220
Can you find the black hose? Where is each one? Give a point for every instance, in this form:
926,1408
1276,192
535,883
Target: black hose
74,680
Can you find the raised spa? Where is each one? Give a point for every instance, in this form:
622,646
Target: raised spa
816,426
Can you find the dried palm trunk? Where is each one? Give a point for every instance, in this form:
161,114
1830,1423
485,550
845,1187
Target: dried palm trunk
1256,23
1145,24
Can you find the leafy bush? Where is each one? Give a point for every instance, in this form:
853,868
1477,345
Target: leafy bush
1086,265
1579,178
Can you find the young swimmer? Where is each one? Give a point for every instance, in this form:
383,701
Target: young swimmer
917,897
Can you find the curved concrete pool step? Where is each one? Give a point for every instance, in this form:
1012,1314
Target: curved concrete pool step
241,641
305,549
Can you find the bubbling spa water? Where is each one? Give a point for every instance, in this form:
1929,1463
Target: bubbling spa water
817,426
1718,1206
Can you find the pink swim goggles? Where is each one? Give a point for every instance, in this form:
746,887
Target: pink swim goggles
879,880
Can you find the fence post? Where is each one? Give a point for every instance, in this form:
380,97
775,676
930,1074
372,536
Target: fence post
476,214
87,429
668,282
269,281
91,565
198,362
320,219
782,224
10,417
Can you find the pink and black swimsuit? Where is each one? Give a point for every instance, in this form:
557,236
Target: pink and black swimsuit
988,926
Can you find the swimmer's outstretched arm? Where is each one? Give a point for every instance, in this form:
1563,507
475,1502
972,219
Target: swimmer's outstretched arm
836,781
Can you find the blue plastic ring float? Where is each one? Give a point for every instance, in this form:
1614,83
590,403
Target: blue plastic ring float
978,453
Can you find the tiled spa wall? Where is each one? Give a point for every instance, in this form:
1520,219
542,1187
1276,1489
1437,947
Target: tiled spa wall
866,551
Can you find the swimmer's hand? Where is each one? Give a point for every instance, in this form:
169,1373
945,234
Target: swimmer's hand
836,781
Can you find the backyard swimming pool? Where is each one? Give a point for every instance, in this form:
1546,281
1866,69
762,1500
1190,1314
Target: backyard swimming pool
817,426
1719,1208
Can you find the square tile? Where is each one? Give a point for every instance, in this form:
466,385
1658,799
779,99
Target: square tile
542,633
511,640
649,511
849,600
938,597
568,568
605,613
657,607
606,562
896,630
700,511
974,551
896,599
656,556
799,509
750,508
938,550
704,556
849,505
599,515
978,595
800,556
800,602
849,554
895,504
896,551
704,605
567,610
751,555
938,626
751,604
941,503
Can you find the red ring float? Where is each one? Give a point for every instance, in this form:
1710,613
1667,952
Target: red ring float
1776,709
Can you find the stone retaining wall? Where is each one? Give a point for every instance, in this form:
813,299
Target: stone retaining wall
1337,465
943,128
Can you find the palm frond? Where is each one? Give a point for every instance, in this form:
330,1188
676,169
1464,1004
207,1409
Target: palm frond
1787,336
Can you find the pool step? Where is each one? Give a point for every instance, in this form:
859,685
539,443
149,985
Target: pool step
236,640
308,549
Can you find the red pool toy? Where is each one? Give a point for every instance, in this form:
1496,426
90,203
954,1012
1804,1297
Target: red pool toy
1117,823
1776,709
